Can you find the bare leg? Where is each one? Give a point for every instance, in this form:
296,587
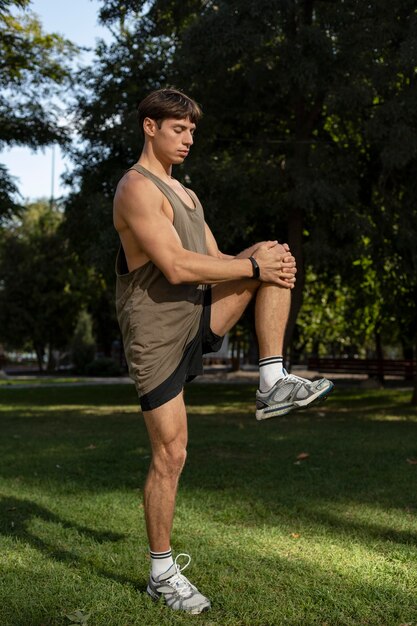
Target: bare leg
271,314
272,307
167,428
230,299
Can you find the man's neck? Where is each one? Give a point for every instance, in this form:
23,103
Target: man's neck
154,165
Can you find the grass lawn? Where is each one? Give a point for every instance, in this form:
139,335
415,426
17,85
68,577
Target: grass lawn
327,540
44,380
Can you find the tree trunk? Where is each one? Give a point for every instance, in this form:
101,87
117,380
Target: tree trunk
40,351
408,352
380,357
306,115
236,355
295,241
414,396
51,360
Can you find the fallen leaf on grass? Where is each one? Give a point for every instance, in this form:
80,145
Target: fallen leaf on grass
302,456
78,617
411,461
295,535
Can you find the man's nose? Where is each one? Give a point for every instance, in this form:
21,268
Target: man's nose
188,139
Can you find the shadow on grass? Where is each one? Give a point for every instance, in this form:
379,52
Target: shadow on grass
249,589
89,395
355,485
16,515
354,456
360,530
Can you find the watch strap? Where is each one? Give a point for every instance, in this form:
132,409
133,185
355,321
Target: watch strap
255,266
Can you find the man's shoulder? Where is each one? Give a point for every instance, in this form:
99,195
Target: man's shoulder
134,187
133,180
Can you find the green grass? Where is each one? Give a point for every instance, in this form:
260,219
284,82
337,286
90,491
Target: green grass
327,540
44,380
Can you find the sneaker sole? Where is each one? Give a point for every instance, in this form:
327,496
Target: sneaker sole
194,611
150,592
268,412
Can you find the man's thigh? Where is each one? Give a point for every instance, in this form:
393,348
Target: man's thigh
228,302
167,424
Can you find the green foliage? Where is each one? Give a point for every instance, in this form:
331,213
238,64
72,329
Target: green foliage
307,136
8,190
34,66
325,322
41,279
83,346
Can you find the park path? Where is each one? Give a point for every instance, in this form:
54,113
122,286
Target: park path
212,376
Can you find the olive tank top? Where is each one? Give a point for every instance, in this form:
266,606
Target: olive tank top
158,319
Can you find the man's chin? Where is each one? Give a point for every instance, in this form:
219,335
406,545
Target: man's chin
180,158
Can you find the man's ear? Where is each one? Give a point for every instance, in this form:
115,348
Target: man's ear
149,127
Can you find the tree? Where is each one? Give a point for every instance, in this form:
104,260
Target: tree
320,84
33,66
105,114
309,109
42,283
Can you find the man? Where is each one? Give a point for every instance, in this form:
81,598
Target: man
177,296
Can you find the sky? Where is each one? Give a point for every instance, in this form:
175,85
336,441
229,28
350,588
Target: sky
77,21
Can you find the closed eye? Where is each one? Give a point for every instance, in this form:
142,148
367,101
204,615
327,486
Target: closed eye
180,129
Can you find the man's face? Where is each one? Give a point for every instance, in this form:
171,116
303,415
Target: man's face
172,140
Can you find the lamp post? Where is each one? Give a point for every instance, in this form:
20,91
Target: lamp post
51,201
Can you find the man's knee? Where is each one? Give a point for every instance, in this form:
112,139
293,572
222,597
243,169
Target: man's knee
281,248
169,460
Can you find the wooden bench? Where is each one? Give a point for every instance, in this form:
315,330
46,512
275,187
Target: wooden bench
373,367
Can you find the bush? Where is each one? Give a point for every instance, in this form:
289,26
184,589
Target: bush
104,366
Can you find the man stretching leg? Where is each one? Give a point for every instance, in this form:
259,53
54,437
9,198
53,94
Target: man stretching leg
176,297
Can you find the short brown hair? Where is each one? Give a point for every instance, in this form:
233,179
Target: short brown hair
163,104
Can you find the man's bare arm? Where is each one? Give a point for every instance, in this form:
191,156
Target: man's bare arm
213,250
140,207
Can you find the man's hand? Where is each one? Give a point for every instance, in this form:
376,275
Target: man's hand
276,264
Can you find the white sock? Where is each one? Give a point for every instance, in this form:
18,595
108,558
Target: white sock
160,562
270,371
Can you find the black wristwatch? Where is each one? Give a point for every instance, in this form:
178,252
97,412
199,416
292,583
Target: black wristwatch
256,270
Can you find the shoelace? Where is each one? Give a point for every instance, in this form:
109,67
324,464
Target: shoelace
296,379
181,583
292,379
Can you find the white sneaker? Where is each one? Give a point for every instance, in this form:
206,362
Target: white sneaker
179,594
290,393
